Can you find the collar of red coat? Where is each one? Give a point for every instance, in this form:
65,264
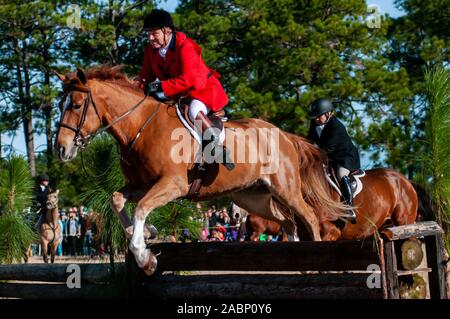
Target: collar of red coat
178,38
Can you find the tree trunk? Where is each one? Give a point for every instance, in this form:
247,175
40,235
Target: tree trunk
27,116
48,107
23,86
114,53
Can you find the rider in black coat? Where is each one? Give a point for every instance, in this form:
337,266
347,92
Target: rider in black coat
41,197
331,136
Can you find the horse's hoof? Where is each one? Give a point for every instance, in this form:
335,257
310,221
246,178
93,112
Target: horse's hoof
150,266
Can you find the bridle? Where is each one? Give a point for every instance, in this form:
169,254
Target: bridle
82,141
53,203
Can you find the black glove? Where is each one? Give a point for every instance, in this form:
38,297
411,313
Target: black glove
153,88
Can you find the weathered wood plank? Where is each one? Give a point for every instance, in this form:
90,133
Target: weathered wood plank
435,260
329,286
420,229
90,273
58,291
275,256
391,270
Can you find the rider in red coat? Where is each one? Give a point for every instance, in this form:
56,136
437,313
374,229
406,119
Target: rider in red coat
173,67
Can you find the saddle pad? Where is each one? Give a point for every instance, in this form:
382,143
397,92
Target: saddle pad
357,178
192,130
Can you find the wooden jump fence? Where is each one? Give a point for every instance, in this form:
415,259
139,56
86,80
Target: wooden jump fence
369,269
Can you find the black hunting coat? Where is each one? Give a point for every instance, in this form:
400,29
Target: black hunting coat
336,142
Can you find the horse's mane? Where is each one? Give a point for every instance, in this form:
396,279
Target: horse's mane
112,74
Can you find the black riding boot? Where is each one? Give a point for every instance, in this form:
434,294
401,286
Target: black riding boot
348,197
220,153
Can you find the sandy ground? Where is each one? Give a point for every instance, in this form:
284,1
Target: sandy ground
78,260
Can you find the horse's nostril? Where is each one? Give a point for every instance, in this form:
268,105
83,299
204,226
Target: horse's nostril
62,152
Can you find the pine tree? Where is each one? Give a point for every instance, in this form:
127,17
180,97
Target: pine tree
276,57
437,163
16,187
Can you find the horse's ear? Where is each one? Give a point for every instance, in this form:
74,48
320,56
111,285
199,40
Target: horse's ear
81,75
59,75
57,192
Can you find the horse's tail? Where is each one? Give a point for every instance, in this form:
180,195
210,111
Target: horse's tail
426,208
315,187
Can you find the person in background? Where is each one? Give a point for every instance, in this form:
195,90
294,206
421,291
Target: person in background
41,199
62,223
72,232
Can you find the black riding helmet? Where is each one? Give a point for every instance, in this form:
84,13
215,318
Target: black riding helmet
158,19
44,177
319,107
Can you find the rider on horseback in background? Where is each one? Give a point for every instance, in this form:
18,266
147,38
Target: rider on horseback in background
41,198
331,136
173,68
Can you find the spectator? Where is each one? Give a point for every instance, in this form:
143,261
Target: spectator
80,239
89,235
62,225
73,232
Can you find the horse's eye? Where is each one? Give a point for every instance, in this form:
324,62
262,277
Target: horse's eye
76,106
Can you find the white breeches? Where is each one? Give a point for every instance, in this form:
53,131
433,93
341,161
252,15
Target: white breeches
342,171
195,107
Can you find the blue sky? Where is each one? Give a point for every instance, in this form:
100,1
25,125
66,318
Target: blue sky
386,6
18,142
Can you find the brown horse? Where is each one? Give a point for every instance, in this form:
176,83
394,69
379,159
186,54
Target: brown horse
256,226
148,134
50,230
387,197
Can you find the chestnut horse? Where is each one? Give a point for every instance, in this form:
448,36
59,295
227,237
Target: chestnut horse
256,226
145,128
387,197
50,231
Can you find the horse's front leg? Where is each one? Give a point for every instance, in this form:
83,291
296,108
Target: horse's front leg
44,245
53,253
118,201
164,191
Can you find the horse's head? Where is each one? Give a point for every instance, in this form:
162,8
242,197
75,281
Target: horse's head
80,117
52,199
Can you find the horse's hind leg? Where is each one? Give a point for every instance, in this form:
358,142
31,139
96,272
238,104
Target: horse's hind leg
260,201
255,236
289,194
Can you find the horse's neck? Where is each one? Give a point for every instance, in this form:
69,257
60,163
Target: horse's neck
52,215
120,101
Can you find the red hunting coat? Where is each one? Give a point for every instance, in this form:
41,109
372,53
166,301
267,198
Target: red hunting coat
184,72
